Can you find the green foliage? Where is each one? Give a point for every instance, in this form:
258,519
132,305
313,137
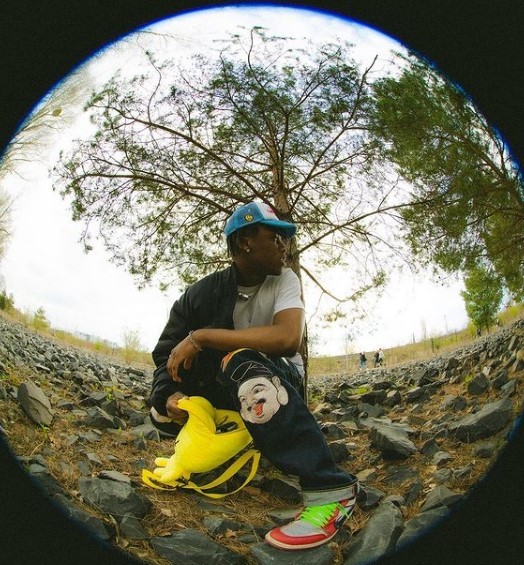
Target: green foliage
7,302
40,321
483,296
468,203
511,312
109,392
178,148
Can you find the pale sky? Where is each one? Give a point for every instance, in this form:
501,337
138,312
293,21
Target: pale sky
45,265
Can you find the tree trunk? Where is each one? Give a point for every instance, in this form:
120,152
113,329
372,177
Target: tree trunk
283,209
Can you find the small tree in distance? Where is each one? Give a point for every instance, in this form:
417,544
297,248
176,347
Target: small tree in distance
40,321
132,345
483,296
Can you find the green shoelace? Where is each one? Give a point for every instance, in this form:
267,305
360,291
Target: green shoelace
320,515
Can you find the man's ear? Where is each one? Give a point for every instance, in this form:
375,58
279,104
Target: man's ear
244,243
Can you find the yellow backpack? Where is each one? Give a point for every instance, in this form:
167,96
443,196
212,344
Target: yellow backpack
208,439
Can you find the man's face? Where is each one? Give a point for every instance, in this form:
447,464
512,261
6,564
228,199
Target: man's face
268,251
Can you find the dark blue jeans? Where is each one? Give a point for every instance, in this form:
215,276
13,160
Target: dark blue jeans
266,393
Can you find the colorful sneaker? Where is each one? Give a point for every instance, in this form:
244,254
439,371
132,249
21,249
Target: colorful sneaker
314,526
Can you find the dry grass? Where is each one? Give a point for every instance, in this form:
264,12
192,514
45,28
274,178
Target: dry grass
174,511
426,349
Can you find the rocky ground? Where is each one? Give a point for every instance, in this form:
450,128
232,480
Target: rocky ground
419,436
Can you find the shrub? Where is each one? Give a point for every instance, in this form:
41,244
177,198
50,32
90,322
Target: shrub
7,303
40,321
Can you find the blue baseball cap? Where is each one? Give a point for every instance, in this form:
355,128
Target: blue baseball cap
258,213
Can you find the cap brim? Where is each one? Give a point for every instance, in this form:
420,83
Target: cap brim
288,229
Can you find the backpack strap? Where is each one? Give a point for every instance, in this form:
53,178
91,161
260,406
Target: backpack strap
154,481
228,473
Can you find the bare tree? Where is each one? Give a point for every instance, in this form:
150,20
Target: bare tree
52,115
5,220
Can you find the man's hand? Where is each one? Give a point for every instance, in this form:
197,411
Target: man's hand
178,415
184,353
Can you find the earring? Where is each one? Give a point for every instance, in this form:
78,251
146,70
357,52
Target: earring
248,250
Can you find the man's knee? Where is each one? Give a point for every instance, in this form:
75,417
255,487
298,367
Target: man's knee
242,363
165,426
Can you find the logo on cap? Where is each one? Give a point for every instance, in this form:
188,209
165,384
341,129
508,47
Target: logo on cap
248,218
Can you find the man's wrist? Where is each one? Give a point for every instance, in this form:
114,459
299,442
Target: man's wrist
195,342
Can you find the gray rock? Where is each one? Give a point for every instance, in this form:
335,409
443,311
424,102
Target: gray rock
479,384
485,450
285,489
94,524
454,403
430,447
416,394
420,525
393,398
441,458
374,397
462,472
379,536
332,431
115,498
35,403
340,451
442,476
500,379
283,516
440,496
400,474
191,547
131,528
485,423
424,376
217,525
98,418
94,459
371,410
369,497
509,389
392,442
114,476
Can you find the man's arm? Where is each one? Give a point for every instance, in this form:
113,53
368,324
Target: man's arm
282,338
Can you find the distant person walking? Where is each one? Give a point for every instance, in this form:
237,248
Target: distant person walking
363,360
380,357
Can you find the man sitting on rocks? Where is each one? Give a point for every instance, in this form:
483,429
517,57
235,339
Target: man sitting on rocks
233,337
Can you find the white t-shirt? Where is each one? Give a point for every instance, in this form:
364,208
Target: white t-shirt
257,305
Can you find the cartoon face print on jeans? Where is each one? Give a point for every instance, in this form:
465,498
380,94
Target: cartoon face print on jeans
261,398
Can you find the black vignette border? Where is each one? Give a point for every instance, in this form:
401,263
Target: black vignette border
477,44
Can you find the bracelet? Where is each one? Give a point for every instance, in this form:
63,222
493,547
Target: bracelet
194,342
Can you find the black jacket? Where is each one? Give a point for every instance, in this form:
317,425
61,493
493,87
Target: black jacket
207,303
